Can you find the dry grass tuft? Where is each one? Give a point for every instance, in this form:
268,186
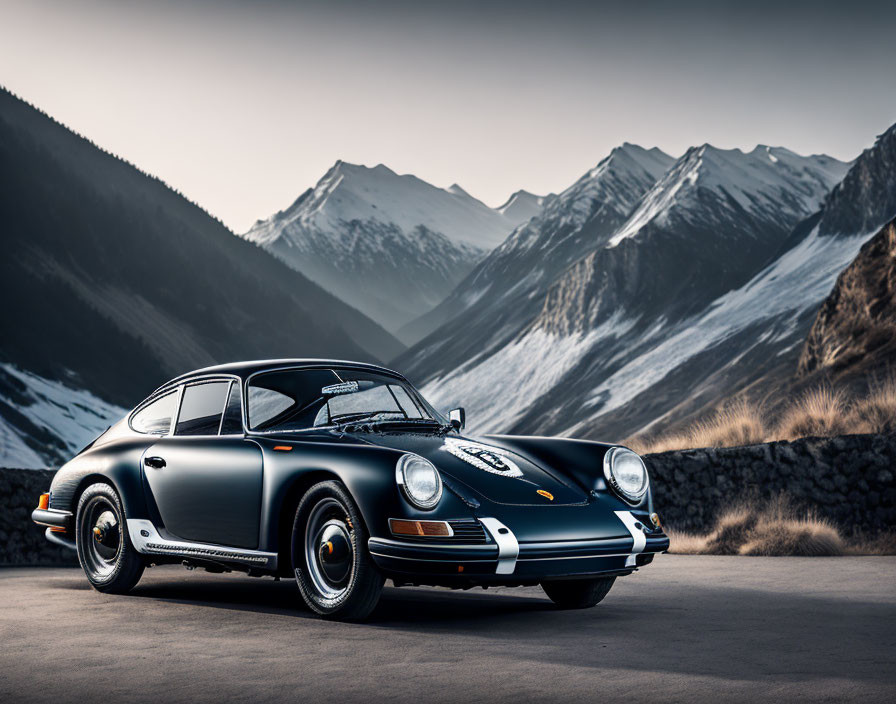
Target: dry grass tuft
737,423
876,413
883,544
773,528
818,413
681,543
822,412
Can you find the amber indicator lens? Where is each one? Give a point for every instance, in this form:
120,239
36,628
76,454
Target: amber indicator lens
283,448
43,502
546,494
420,528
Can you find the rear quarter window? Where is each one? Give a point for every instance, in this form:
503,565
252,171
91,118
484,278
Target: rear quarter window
155,417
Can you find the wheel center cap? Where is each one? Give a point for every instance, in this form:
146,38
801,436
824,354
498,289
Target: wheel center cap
334,550
105,530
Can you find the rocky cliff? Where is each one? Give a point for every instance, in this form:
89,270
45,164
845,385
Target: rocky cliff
855,329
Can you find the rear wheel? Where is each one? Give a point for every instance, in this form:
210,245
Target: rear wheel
104,548
578,593
334,571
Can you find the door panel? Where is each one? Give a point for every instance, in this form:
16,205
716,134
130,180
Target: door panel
209,489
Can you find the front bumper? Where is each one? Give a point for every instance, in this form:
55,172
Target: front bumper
503,560
59,525
52,518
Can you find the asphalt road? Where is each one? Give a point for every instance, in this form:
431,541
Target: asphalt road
684,629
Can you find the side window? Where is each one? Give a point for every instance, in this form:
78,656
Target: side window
232,423
155,417
202,408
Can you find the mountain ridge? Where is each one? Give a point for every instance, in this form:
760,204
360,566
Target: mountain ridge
614,325
391,245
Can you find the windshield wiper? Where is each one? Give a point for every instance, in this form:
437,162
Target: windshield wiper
396,422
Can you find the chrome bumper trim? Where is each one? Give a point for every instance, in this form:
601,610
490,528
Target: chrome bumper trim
62,542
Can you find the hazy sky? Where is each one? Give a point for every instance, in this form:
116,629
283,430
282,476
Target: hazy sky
242,107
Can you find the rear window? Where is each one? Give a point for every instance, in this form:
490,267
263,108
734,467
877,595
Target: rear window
155,417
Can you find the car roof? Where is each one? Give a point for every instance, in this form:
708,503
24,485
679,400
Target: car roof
245,369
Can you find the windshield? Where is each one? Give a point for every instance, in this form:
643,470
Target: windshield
301,399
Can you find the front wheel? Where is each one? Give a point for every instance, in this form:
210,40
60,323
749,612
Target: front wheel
105,552
578,593
334,571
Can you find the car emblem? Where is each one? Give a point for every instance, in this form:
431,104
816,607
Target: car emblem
489,459
546,494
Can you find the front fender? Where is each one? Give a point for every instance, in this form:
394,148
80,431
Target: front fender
367,471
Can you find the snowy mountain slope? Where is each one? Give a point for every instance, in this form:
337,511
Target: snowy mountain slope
391,245
503,291
44,422
689,296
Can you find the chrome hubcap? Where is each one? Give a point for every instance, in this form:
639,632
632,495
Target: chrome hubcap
100,537
329,552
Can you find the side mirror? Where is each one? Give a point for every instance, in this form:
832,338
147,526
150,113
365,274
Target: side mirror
457,418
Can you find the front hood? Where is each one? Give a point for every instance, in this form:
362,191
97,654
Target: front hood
498,474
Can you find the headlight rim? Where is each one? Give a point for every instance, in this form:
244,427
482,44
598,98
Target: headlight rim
401,481
633,499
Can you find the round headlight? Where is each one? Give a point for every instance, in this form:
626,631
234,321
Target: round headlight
626,473
420,480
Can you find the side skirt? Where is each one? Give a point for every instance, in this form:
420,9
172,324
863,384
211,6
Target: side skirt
146,540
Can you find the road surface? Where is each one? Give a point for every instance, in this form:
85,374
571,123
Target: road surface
684,629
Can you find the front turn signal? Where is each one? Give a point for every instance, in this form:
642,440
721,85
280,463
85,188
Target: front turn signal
43,503
424,529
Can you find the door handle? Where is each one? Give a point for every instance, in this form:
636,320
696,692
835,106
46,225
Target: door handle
156,462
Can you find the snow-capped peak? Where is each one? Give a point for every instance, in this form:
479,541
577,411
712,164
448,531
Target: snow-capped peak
522,206
617,182
350,193
764,181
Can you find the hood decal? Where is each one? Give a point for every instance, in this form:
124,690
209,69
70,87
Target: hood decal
484,457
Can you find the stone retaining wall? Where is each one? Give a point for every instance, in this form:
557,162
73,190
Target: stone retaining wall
21,541
848,479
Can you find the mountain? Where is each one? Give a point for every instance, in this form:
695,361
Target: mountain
113,283
505,289
855,329
522,206
711,276
391,245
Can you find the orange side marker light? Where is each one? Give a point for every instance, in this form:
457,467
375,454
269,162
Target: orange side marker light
283,448
546,494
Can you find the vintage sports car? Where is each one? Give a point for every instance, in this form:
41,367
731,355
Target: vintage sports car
341,475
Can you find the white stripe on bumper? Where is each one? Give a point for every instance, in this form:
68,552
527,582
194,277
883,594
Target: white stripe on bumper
640,540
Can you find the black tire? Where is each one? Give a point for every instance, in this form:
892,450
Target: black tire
578,593
334,570
105,552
